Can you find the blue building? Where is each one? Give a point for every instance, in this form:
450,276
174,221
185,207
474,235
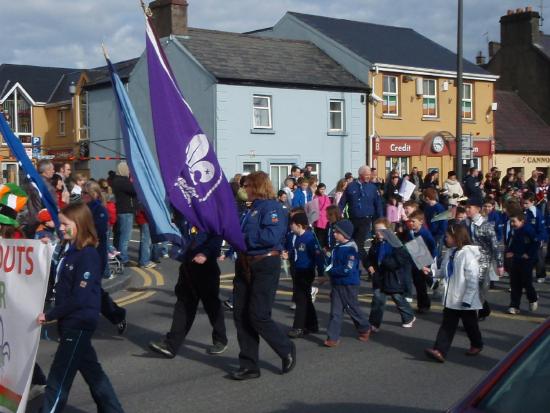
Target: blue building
265,104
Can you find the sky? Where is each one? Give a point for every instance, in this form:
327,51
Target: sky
69,33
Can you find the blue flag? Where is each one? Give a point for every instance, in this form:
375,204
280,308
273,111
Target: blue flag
16,147
145,174
194,180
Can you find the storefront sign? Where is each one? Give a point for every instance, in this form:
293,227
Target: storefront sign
400,148
413,147
536,159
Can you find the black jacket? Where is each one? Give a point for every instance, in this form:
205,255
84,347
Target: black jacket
391,274
125,195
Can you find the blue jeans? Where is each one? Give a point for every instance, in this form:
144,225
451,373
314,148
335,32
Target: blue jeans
125,224
344,298
379,304
144,244
75,353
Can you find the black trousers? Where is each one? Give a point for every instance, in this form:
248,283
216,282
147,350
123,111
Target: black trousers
110,310
197,282
305,316
521,278
253,299
362,228
541,263
423,300
450,324
322,236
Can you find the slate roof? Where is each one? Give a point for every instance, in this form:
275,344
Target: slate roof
38,81
387,44
100,75
518,128
241,58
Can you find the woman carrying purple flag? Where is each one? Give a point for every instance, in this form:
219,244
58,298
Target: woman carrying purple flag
257,277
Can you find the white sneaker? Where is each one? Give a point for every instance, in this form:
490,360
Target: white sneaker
293,306
541,280
314,291
409,299
409,324
374,329
534,306
513,310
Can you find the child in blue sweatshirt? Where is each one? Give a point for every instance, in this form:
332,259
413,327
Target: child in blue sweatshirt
420,279
522,251
437,228
305,253
344,278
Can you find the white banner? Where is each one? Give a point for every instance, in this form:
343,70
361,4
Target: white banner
24,270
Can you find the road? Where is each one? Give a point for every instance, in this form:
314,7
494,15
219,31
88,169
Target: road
388,374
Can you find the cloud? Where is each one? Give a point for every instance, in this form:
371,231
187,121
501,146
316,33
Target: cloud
68,33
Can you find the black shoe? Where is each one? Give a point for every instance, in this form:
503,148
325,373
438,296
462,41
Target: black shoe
217,348
228,305
289,362
121,327
162,348
296,333
244,374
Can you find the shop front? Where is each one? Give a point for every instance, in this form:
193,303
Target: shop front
435,151
523,163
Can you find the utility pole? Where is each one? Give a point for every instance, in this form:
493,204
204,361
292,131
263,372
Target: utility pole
459,92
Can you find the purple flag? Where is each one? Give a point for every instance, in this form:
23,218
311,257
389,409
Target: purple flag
194,180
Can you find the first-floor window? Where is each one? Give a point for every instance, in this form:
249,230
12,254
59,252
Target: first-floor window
336,111
262,112
398,163
249,167
429,98
10,173
467,101
390,96
278,173
61,122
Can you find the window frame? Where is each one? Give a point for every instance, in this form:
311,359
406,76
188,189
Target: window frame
279,180
400,160
426,96
269,109
24,137
388,94
83,124
316,169
342,112
470,100
256,166
61,121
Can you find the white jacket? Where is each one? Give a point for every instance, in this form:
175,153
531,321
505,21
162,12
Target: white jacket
463,286
453,187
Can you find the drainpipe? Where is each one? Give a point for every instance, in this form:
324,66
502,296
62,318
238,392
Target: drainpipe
373,113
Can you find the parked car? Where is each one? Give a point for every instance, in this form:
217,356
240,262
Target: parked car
519,383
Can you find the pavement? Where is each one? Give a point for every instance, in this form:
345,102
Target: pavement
388,374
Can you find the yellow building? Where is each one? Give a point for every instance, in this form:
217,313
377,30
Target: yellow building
412,119
42,106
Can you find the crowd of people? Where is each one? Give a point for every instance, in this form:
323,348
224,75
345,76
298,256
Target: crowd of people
472,232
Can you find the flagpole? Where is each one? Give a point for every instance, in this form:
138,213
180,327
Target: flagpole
105,54
146,9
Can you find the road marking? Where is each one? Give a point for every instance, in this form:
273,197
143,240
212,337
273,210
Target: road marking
142,297
159,279
147,280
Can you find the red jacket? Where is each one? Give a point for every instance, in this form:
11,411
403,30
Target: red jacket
111,210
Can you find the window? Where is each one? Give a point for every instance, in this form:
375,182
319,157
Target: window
399,163
336,112
10,173
249,167
61,122
18,112
262,112
429,98
278,174
390,96
467,101
315,169
83,115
